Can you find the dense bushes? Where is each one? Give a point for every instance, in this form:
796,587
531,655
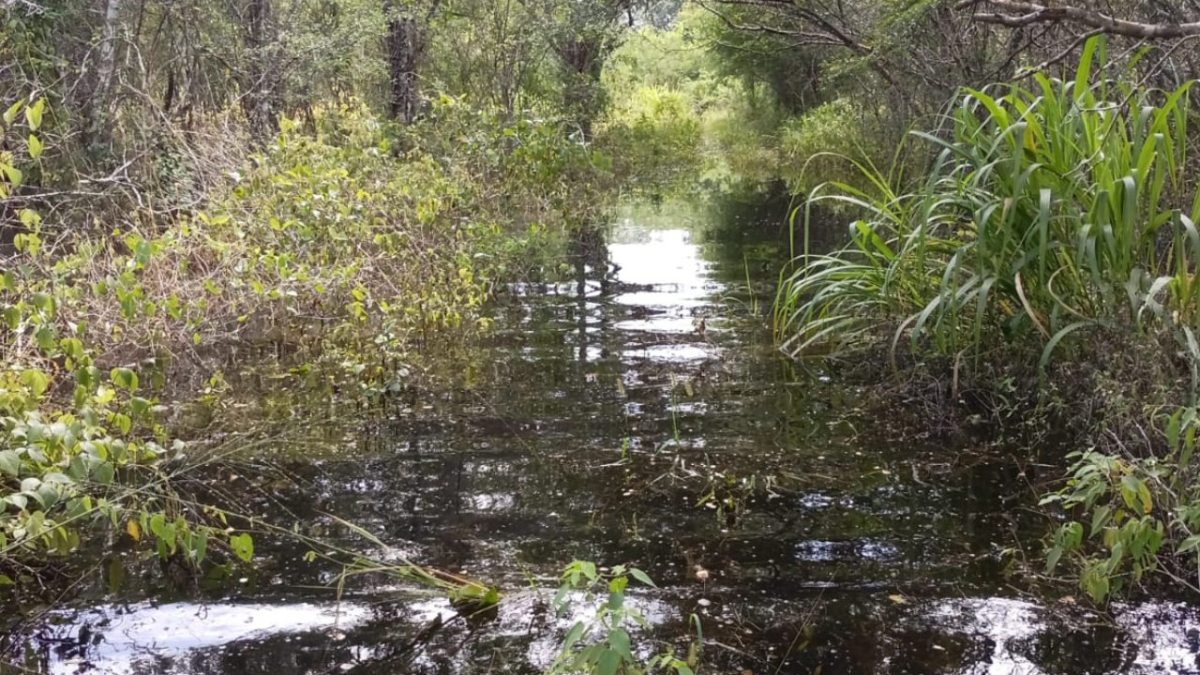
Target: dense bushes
340,244
691,104
654,135
823,144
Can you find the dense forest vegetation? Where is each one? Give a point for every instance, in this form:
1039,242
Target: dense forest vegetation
334,190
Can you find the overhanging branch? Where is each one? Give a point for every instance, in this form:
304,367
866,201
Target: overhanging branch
1018,13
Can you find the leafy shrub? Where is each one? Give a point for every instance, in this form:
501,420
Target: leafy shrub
80,450
348,240
1140,515
1049,211
822,145
653,137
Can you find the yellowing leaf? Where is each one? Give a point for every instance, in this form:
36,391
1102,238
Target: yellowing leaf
898,599
10,115
1144,496
132,529
35,147
33,114
15,176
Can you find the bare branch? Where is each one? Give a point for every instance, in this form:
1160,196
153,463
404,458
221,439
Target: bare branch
1018,13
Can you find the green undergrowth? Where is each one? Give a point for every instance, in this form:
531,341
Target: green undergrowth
600,641
698,103
349,246
1055,229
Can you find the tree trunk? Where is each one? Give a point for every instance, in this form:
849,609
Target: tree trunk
106,67
405,45
258,101
583,96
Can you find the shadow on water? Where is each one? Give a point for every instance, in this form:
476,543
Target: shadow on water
644,418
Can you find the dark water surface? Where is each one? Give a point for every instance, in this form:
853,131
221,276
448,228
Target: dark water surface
638,417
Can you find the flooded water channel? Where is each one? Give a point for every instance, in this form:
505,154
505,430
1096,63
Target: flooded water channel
638,415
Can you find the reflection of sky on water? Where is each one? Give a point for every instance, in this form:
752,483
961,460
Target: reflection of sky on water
143,638
133,637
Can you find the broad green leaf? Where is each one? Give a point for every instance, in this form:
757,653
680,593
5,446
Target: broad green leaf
608,663
573,636
242,546
10,463
620,642
15,175
124,378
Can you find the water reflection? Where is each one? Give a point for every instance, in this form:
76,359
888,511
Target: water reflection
179,637
643,418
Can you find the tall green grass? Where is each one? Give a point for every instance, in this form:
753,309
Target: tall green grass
1050,207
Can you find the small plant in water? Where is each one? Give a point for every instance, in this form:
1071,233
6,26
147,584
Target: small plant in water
601,644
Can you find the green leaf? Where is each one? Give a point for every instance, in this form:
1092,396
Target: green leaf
1174,425
615,601
1144,495
1083,74
588,569
104,473
641,576
36,380
1128,490
124,378
15,176
573,636
1189,544
1052,558
33,114
10,463
158,525
10,115
138,406
1100,519
242,546
619,640
1048,351
608,663
57,477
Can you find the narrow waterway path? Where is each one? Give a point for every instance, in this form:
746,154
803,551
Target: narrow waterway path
639,415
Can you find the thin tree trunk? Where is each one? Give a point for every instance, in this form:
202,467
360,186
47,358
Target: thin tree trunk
97,109
405,44
108,50
582,93
258,99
